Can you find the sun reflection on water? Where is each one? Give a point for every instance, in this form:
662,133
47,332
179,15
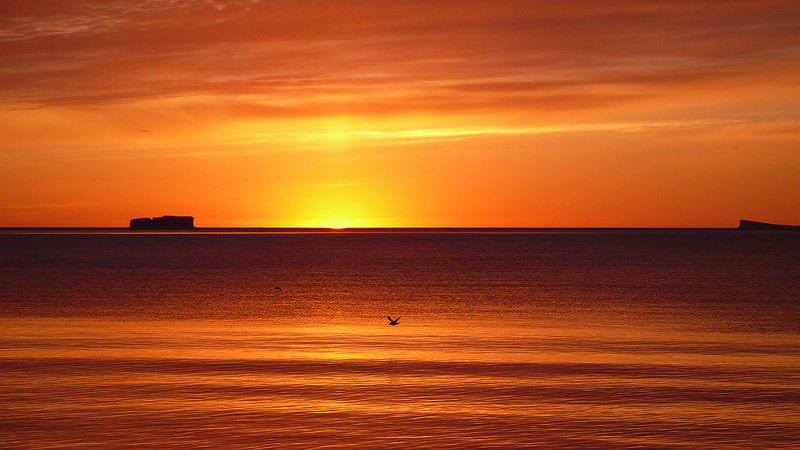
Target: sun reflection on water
421,385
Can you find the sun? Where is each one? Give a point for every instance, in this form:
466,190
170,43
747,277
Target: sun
334,212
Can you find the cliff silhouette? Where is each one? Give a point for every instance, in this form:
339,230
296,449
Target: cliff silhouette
163,223
762,226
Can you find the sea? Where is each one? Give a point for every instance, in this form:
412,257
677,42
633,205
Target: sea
507,339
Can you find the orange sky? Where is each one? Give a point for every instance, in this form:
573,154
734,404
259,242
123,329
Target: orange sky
595,113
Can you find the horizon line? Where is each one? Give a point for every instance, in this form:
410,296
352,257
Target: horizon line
349,229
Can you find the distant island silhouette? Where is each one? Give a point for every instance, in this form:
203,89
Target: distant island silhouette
163,223
183,223
749,225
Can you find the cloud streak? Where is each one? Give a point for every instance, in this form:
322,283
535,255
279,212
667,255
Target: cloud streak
362,57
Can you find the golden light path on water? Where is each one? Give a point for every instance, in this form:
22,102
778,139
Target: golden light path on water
424,384
567,339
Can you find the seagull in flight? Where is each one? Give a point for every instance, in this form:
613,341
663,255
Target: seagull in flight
393,321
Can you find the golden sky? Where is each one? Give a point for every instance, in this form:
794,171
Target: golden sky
585,113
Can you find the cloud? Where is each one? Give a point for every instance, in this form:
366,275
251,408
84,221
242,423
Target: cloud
305,57
11,207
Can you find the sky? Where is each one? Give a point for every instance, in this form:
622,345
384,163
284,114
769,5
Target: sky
370,113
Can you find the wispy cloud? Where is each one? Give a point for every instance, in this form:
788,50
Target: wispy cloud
360,57
45,206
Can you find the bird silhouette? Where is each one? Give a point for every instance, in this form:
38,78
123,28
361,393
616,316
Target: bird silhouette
393,321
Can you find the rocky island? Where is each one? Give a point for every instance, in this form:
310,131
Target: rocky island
163,223
750,225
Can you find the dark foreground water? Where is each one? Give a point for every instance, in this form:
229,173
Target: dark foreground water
605,339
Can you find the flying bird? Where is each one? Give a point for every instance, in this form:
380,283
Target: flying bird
393,321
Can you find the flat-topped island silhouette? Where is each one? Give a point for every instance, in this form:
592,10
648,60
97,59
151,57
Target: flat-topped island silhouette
163,223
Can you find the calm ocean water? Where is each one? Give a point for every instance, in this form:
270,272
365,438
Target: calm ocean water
568,339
